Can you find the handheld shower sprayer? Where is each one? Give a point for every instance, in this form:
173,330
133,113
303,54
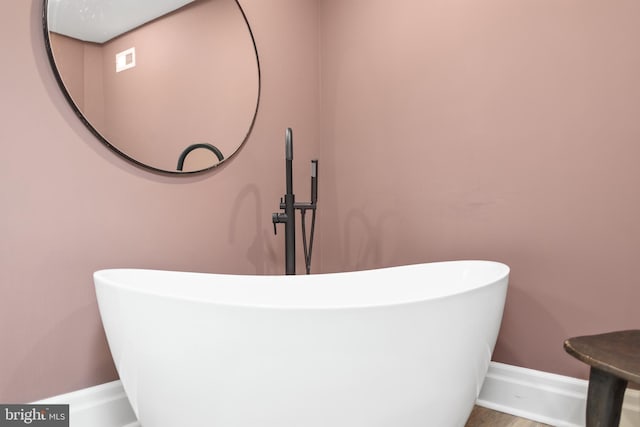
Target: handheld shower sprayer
314,181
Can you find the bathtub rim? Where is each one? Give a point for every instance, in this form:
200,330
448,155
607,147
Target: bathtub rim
503,275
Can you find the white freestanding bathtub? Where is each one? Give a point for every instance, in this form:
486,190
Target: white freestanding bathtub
395,347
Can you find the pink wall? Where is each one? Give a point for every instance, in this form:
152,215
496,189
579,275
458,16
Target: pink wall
495,130
80,67
70,206
69,54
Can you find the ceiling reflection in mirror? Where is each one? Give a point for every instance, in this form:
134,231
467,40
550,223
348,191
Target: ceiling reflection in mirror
172,85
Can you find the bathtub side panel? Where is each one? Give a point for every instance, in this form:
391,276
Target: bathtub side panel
412,364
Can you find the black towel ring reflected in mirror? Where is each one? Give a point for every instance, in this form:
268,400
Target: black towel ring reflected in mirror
192,147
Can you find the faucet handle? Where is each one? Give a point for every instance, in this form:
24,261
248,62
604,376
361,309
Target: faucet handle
275,219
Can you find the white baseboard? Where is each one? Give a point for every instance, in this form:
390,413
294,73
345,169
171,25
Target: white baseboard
547,398
540,396
631,409
104,405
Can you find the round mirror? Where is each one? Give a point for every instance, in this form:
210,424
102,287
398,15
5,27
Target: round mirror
172,85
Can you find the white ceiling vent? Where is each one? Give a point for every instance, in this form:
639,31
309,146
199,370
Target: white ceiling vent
125,59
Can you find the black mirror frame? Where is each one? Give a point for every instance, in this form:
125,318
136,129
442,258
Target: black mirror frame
83,119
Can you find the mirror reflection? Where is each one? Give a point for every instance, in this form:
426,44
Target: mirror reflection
172,85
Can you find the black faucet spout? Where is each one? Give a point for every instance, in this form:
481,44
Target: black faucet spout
288,205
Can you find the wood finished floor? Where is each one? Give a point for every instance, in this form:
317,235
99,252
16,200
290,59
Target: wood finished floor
483,417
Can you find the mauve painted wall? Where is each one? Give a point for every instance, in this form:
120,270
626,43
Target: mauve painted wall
69,54
70,206
80,65
497,129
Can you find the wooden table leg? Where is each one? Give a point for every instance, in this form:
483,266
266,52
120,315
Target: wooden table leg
604,399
